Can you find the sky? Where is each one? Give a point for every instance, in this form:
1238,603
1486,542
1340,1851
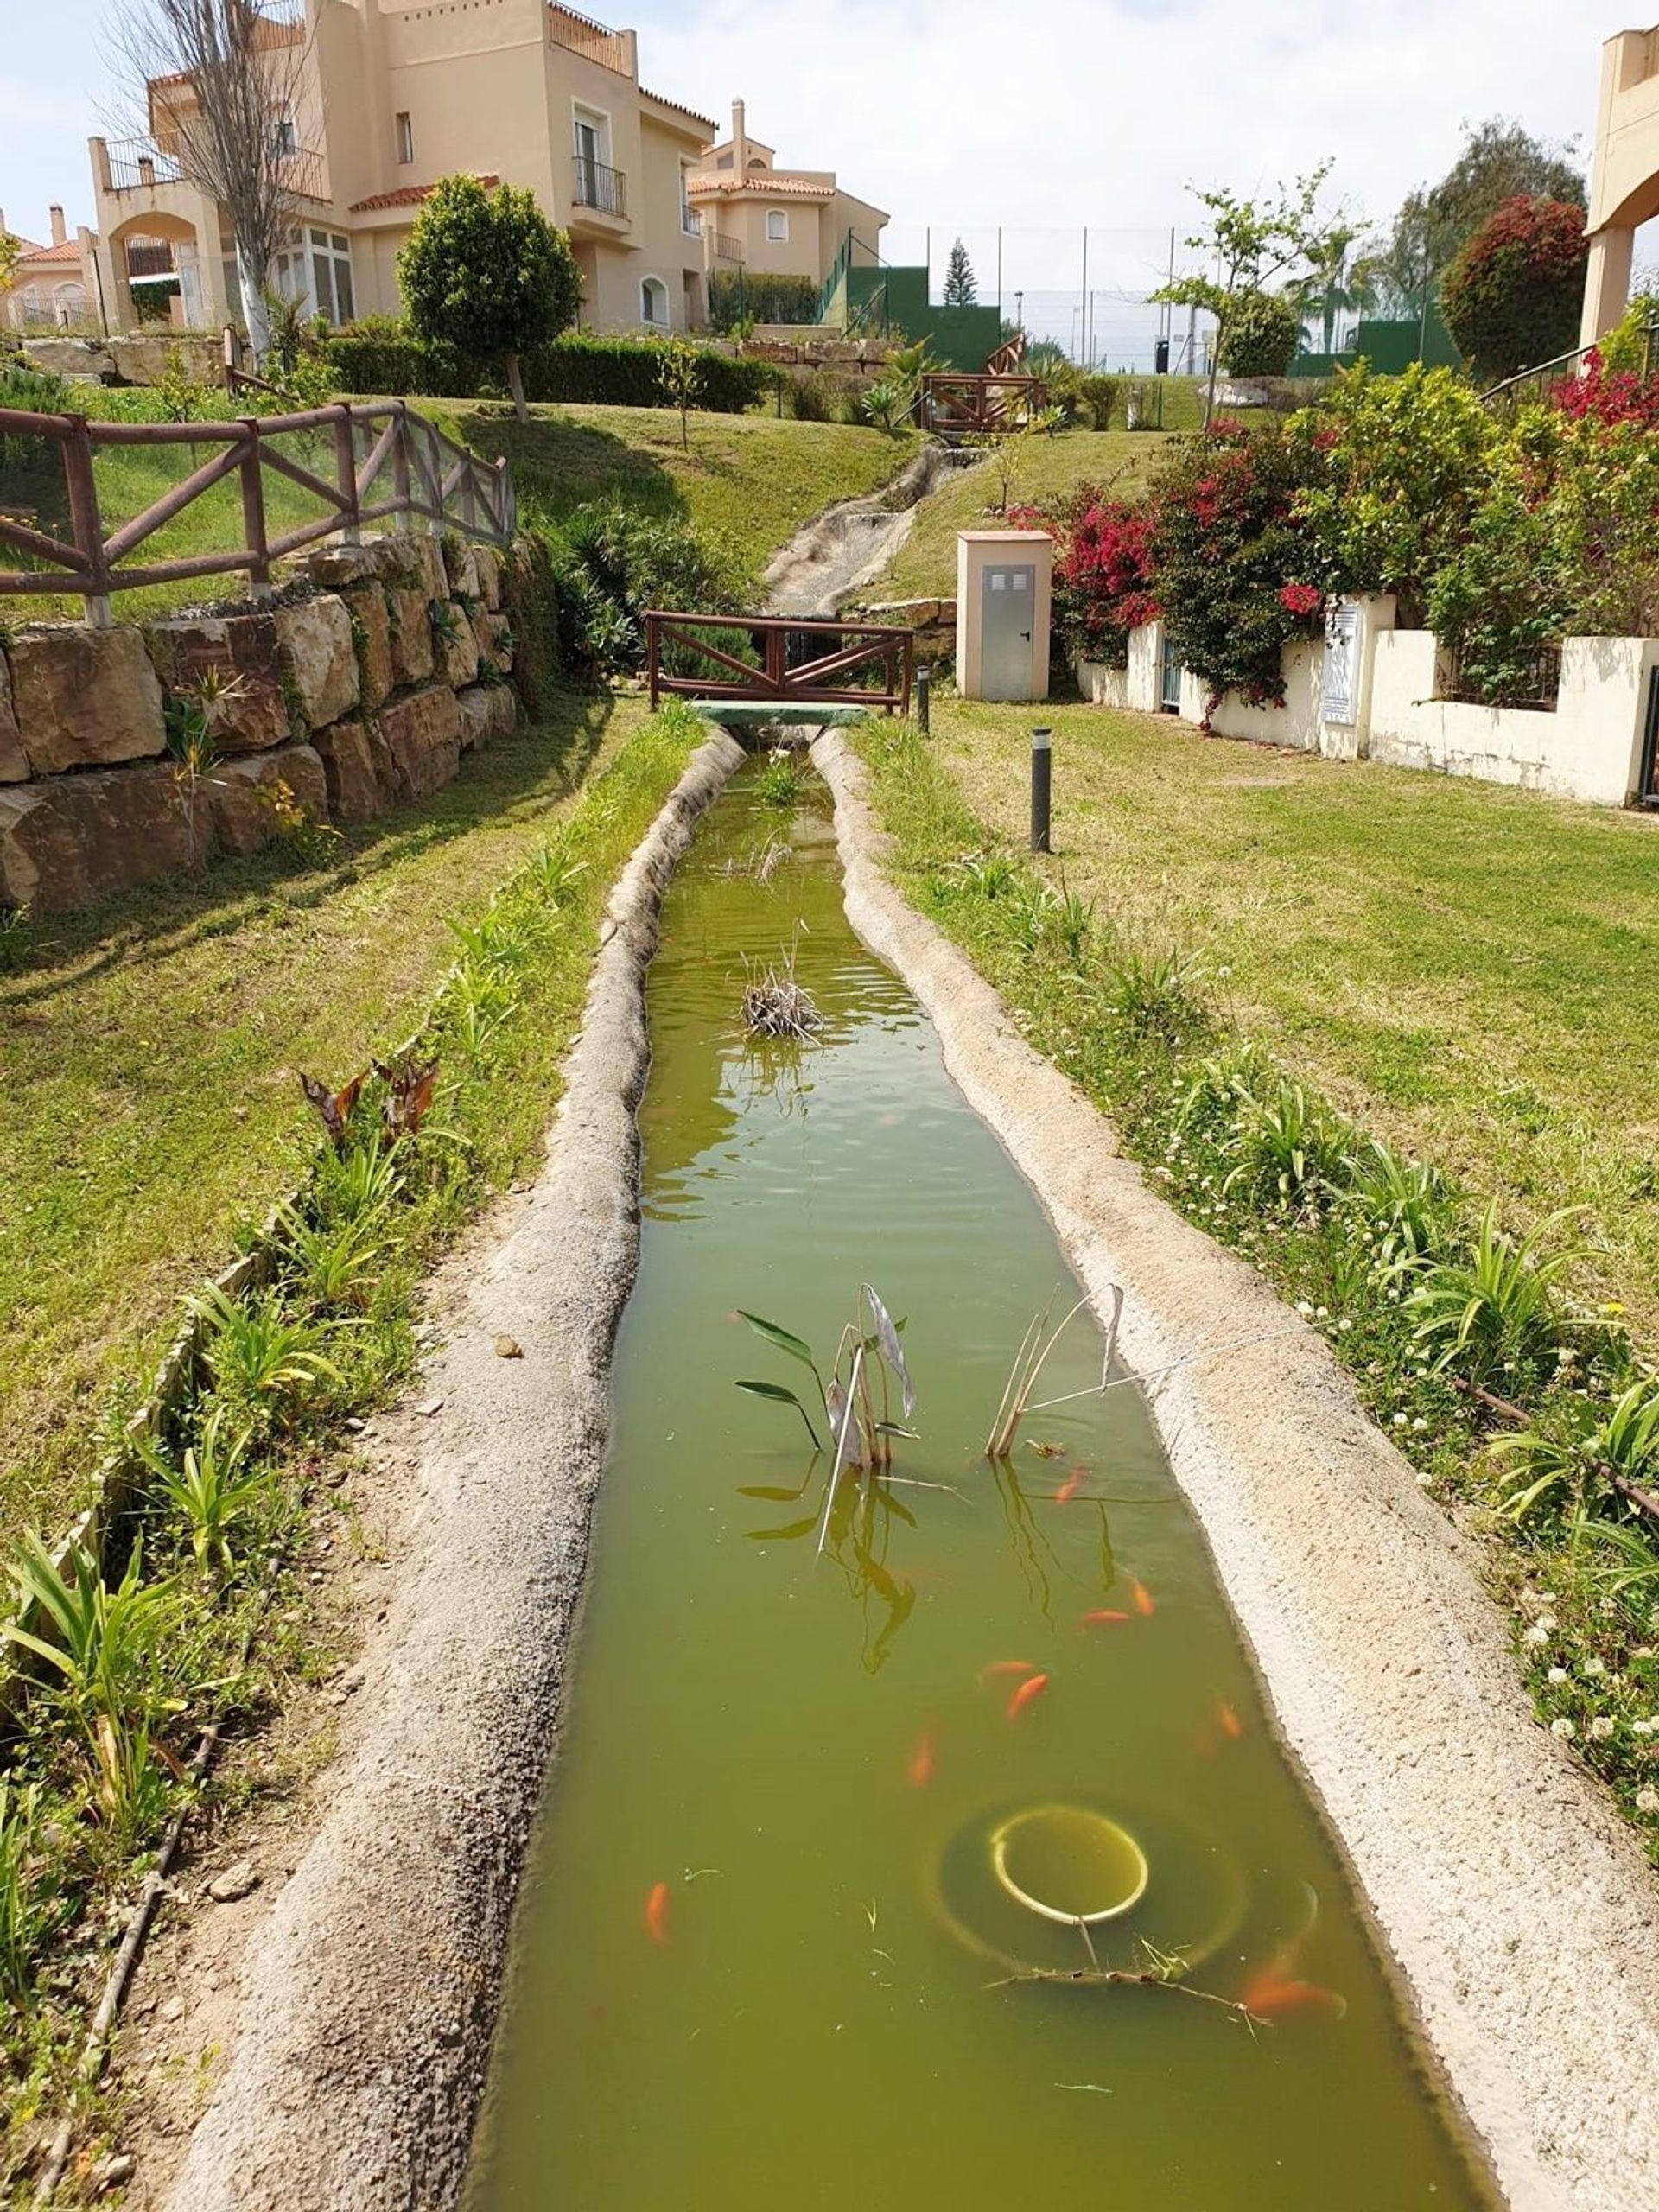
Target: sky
941,112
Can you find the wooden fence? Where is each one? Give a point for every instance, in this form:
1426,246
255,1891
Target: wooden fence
799,659
954,406
390,464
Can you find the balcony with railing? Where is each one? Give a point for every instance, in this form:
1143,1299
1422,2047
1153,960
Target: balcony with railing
691,221
144,165
594,186
597,43
148,257
728,248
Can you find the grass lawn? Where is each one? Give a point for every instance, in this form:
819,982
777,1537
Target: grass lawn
751,478
148,1059
925,565
1466,969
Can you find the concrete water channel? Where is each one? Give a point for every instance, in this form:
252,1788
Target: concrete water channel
763,1953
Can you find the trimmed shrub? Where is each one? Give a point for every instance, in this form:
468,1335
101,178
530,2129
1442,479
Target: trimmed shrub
379,353
609,563
1262,336
1511,298
382,355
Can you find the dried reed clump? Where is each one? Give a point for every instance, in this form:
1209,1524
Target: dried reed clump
775,1005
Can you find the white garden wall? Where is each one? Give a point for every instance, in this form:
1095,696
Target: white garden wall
1589,747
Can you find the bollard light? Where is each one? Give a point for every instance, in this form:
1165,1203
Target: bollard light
923,686
1041,763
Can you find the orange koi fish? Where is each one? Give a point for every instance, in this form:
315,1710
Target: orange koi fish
1069,1489
1228,1721
1143,1599
1027,1693
657,1915
1101,1616
1006,1667
920,1771
1271,1996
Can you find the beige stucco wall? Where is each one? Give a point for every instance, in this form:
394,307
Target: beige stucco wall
1624,173
976,550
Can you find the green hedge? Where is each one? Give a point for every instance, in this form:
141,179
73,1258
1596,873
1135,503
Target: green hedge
382,355
738,295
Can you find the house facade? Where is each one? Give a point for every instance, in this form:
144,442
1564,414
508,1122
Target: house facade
772,221
389,96
1624,173
53,287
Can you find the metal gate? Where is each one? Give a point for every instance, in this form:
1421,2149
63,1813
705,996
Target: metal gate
1169,681
1647,792
1339,669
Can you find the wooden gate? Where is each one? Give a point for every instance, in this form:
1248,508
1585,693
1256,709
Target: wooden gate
790,657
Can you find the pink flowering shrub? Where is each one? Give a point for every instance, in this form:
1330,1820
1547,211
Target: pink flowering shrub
1102,578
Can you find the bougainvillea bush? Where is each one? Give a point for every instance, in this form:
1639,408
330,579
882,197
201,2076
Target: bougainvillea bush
1232,564
1512,296
1102,574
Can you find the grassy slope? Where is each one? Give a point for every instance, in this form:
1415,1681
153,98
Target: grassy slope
1464,968
150,1054
751,478
926,567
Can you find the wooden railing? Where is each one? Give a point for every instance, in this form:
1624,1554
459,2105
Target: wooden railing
793,662
389,464
978,406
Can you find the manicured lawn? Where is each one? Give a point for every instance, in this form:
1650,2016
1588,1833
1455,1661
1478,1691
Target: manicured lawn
753,478
1468,970
925,565
149,1055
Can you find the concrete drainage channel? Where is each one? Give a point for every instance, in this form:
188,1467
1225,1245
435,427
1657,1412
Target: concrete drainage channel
851,543
1520,1912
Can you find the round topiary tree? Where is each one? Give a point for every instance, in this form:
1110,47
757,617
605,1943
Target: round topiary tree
487,274
1262,337
1512,296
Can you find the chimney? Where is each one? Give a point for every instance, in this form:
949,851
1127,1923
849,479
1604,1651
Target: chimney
739,140
60,231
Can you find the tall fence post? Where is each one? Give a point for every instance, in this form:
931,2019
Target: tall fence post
253,512
345,471
652,647
924,689
87,523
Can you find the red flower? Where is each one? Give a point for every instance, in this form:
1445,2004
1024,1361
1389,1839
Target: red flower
1301,599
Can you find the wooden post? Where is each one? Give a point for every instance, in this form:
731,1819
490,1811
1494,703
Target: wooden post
652,647
253,512
403,519
83,515
345,471
777,664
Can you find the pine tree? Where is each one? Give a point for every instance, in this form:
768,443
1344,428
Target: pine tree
960,288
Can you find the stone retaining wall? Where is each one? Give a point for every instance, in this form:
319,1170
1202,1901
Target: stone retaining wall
333,704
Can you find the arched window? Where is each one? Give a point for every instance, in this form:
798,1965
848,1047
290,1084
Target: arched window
653,303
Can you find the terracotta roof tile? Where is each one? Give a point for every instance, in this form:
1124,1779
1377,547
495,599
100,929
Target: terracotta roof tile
47,257
405,195
768,186
678,107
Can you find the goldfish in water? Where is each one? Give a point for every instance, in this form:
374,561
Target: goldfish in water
657,1914
1228,1721
1101,1616
1069,1489
1141,1596
1006,1667
920,1771
1027,1693
1271,1995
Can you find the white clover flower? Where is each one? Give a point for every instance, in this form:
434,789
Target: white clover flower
1559,1674
1637,1727
1647,1800
1321,1313
1602,1727
1420,1426
1399,1421
1594,1666
1304,1309
1563,1728
1344,1325
1538,1633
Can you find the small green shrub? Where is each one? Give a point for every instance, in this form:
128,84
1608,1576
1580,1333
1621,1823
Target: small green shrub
1262,336
1494,1307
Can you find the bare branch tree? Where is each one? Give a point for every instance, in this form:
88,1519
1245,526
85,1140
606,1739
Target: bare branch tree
220,80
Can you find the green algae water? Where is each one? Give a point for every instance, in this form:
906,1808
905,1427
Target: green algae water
771,1949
